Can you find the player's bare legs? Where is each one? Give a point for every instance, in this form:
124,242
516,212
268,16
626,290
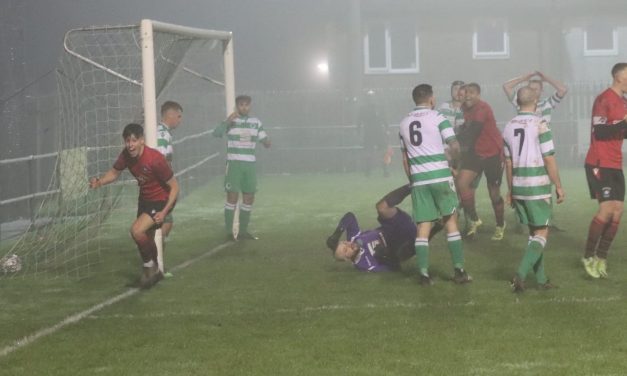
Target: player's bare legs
166,228
601,233
498,205
143,233
467,197
386,207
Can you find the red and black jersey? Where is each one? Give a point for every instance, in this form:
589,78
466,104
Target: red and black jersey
609,108
152,172
490,141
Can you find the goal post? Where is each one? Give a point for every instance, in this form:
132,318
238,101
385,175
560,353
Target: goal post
147,28
148,68
109,76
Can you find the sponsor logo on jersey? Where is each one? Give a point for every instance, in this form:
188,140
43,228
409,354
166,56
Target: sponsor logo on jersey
599,120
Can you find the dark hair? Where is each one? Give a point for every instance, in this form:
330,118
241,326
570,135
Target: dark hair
457,83
618,67
422,93
243,98
170,105
133,129
473,85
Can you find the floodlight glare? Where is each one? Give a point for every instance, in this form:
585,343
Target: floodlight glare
323,68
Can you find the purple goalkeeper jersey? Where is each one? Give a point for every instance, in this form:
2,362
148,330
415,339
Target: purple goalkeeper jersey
365,260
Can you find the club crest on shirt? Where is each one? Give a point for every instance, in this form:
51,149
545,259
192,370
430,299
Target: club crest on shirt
599,120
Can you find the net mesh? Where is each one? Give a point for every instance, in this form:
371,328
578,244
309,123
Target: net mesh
100,91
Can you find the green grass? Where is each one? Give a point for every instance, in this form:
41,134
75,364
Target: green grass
282,306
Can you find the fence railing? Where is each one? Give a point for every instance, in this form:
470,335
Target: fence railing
311,131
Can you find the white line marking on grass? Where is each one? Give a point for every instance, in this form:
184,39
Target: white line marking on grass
358,307
25,341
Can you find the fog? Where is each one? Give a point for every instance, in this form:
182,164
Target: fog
384,46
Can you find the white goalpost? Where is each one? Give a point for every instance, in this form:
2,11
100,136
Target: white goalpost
149,91
148,68
110,76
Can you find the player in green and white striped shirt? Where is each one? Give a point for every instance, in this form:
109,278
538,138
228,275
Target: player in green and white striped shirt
243,133
531,170
171,117
422,133
452,109
546,105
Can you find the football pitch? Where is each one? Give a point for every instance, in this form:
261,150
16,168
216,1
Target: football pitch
282,306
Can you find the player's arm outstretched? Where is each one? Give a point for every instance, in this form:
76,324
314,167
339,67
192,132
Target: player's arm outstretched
109,177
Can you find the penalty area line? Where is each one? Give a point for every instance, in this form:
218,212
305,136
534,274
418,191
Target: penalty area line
25,341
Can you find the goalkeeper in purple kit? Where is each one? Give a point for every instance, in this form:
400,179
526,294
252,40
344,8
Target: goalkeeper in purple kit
383,248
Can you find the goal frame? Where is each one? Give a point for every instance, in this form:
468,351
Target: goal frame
147,27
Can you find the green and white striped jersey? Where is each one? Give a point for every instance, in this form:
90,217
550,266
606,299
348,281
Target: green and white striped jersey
164,141
242,138
528,139
455,116
545,106
423,133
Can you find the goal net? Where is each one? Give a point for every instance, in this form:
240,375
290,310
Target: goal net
109,77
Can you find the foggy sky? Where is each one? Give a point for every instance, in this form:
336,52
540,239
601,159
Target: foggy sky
267,34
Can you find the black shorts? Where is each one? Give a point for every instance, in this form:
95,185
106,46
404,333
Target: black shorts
151,208
491,167
605,184
398,230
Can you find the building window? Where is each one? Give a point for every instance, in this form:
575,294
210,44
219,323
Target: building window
600,40
490,41
391,48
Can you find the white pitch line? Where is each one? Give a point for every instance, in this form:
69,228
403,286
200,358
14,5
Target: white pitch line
362,307
25,341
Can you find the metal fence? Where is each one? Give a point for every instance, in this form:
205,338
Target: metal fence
312,131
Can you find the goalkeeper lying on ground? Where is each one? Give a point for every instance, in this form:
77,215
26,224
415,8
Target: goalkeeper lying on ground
383,248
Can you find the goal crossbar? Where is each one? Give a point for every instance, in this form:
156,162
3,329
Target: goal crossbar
147,28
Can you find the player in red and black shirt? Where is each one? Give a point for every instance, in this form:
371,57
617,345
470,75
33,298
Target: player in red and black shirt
158,190
604,170
482,152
